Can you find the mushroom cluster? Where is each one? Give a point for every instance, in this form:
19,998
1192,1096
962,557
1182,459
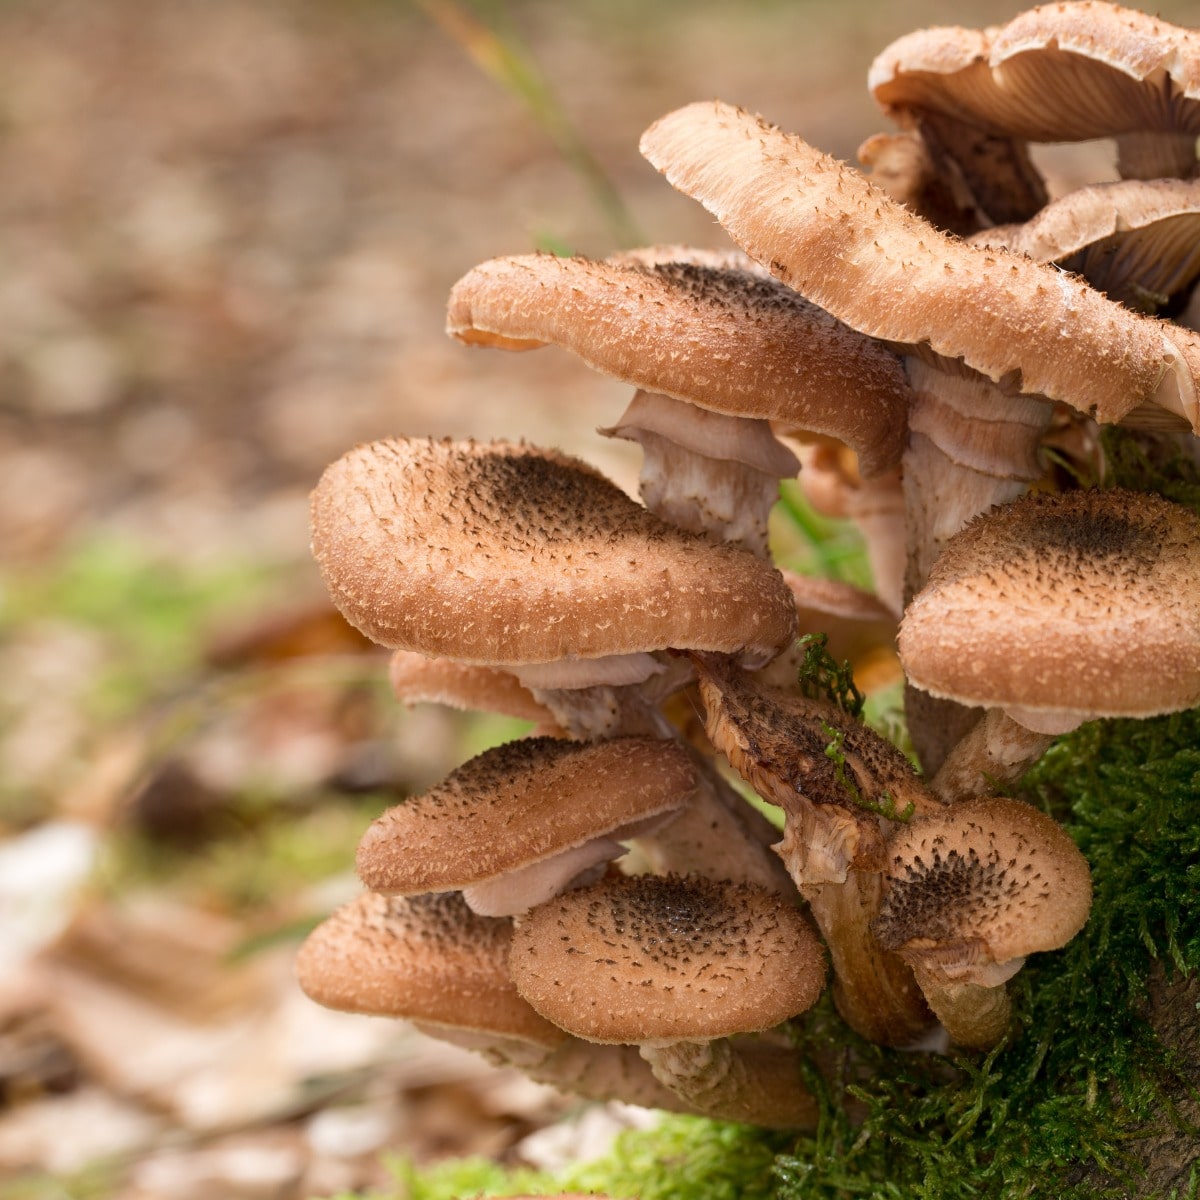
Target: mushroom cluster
597,904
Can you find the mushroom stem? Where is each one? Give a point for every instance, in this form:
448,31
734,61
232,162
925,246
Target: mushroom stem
588,1069
971,446
875,505
707,472
754,1083
973,1015
997,750
873,989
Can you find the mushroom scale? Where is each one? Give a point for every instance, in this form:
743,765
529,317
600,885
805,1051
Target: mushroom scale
503,554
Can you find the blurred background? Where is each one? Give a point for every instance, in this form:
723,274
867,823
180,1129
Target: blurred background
227,231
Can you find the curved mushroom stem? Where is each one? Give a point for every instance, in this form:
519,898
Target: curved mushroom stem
936,726
755,1083
997,750
974,1015
587,1069
875,505
873,989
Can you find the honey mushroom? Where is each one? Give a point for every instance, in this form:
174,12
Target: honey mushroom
970,892
679,967
522,822
990,338
1062,72
508,556
837,782
1051,611
716,349
430,960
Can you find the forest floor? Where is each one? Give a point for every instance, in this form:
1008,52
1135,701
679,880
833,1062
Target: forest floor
227,232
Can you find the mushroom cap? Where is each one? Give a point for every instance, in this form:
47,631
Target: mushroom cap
520,803
720,337
777,741
1086,602
647,958
828,233
417,678
1061,72
504,554
1138,234
981,883
424,958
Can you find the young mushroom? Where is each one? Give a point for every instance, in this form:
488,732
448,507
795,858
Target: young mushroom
522,822
678,966
716,350
970,892
1055,610
508,556
430,960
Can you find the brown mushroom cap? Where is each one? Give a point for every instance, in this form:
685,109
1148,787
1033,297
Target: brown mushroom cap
824,230
722,338
504,554
645,958
416,678
519,804
424,958
1133,240
980,884
1086,602
1061,72
778,740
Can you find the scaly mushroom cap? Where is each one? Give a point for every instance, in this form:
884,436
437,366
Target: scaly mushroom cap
797,752
506,554
1138,241
824,230
981,884
1062,72
518,804
1086,602
718,337
645,958
426,958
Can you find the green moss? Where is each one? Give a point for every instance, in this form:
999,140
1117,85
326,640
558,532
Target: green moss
1150,462
822,677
